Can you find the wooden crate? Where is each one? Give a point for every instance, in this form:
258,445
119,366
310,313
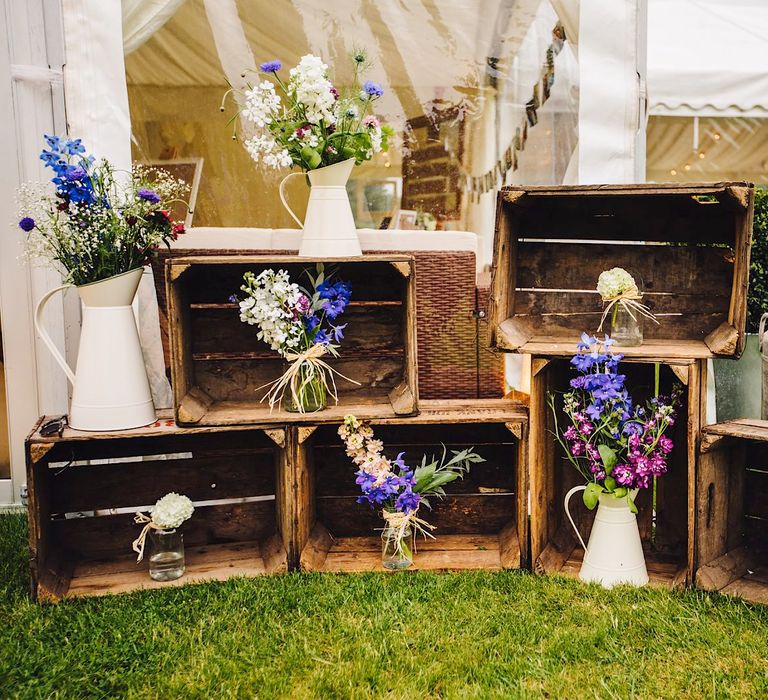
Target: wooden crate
667,538
84,489
219,367
481,524
732,510
689,244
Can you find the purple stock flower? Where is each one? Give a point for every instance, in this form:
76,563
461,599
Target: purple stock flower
665,444
27,224
570,433
271,66
148,195
623,474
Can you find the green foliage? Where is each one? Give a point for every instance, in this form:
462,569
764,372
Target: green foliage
410,635
757,298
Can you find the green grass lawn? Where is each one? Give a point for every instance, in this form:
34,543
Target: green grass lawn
383,636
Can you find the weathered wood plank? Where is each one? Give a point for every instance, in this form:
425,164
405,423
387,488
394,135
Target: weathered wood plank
551,244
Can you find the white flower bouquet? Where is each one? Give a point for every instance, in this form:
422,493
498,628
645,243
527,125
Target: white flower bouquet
307,122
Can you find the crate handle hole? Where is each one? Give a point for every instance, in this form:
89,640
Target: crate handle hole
710,502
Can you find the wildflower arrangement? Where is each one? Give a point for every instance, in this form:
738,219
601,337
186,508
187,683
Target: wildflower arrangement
169,513
302,326
307,122
618,288
616,446
398,489
96,224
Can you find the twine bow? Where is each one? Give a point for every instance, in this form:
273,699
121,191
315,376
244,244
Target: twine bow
139,542
629,299
400,522
316,368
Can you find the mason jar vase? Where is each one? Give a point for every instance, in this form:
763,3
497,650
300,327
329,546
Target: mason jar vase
166,558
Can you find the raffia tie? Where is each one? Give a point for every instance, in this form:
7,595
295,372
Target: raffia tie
140,541
317,367
399,522
630,301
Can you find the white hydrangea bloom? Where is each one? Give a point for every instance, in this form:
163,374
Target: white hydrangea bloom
310,86
615,282
171,511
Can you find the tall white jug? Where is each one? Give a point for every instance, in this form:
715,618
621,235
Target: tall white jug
329,227
110,389
615,552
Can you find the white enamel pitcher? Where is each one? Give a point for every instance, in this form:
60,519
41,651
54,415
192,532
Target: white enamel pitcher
615,553
110,389
328,228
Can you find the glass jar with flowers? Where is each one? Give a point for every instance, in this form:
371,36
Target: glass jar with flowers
166,558
302,326
398,489
622,297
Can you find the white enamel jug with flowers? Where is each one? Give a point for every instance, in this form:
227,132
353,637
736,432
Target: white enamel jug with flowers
619,447
308,123
101,234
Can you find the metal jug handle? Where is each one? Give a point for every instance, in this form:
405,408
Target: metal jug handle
568,512
44,335
761,332
281,189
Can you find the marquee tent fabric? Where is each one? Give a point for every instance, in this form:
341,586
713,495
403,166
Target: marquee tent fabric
708,58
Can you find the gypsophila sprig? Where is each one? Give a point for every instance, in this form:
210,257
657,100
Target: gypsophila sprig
398,489
616,445
93,223
169,513
306,121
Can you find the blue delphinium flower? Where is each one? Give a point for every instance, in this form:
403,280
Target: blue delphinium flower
27,224
408,501
271,66
148,195
372,89
322,338
338,333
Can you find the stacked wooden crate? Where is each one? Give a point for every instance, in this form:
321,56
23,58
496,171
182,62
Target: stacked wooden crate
732,510
689,245
84,489
271,487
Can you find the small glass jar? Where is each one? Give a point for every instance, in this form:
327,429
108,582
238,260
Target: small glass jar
312,394
166,558
395,555
626,326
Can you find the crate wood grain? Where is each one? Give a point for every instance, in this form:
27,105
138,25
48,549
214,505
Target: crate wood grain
689,244
667,535
482,523
732,510
220,369
84,489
